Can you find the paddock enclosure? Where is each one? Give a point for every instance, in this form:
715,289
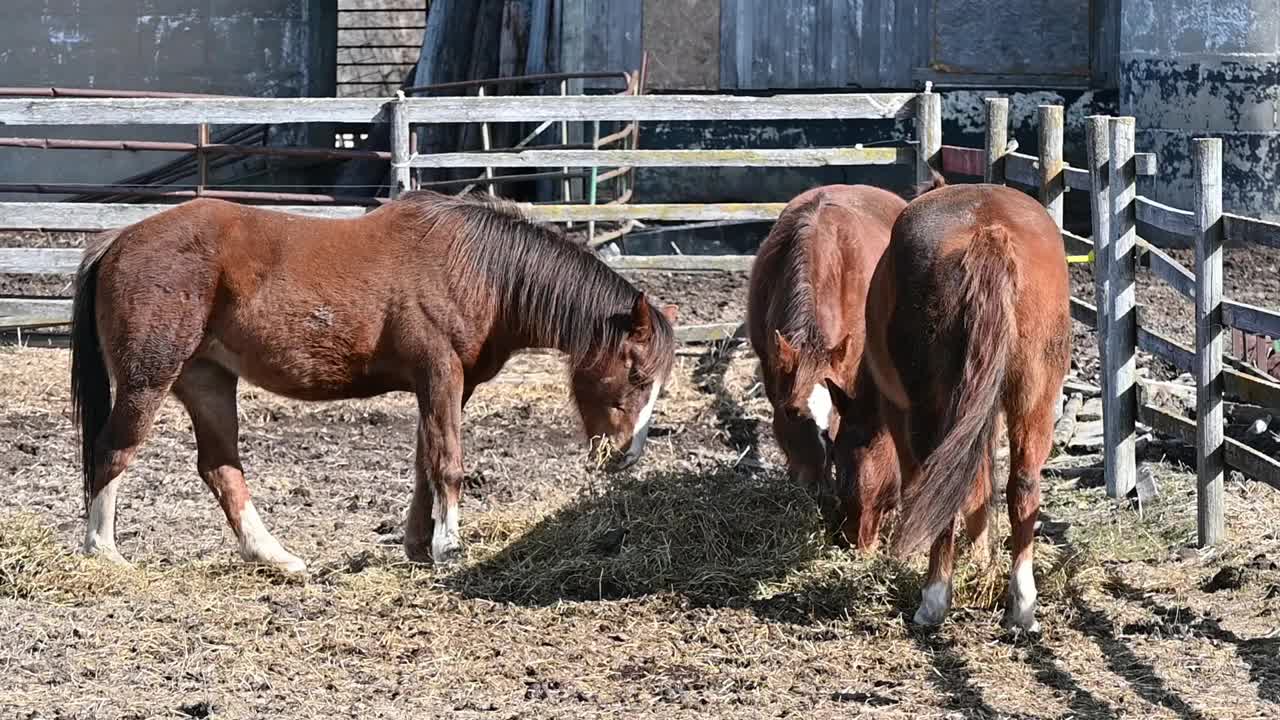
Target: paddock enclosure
695,584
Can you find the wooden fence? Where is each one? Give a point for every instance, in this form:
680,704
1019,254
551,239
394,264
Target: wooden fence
1116,210
403,112
1110,179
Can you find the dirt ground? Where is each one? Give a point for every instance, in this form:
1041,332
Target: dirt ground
695,585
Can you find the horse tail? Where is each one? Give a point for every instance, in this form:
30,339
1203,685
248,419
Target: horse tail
935,181
968,429
90,381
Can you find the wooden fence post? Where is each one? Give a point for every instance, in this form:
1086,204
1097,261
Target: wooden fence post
929,135
400,155
997,139
1099,158
1210,448
1119,379
1052,178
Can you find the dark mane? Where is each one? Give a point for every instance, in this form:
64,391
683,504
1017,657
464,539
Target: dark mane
791,255
548,288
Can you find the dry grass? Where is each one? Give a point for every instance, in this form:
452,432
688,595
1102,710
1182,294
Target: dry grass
696,586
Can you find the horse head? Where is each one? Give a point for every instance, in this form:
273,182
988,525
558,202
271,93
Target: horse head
616,391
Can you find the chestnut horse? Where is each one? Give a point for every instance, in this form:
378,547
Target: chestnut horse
805,319
429,294
968,315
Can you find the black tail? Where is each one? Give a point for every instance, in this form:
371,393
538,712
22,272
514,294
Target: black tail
946,477
90,382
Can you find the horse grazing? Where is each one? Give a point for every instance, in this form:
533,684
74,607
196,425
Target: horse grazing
968,315
805,316
428,294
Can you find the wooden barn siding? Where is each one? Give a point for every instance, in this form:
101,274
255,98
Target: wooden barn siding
378,44
789,44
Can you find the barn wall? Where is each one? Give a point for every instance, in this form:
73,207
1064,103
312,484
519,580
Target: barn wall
275,48
1190,69
378,45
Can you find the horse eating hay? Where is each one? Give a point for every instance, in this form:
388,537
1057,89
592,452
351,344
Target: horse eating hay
430,294
968,314
805,315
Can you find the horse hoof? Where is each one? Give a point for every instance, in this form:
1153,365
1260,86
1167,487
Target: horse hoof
448,556
418,552
1027,624
108,553
928,617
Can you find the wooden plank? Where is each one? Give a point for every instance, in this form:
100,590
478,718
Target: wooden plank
1077,179
714,332
1251,318
995,143
1167,218
88,217
1171,271
722,108
397,37
1076,245
193,111
1022,169
415,19
1210,501
1242,230
800,157
39,261
233,111
963,161
928,110
91,217
681,263
380,5
684,212
34,312
406,55
1235,453
377,74
1052,182
1104,44
1119,376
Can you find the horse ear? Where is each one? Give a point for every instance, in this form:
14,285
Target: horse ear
671,311
788,357
838,352
641,322
839,398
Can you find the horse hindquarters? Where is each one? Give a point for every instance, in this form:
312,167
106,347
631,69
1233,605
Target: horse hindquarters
954,454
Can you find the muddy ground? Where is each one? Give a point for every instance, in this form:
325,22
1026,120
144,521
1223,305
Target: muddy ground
694,586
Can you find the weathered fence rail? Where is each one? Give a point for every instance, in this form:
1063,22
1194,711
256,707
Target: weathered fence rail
403,112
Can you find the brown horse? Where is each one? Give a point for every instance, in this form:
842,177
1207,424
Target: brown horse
429,294
968,315
805,318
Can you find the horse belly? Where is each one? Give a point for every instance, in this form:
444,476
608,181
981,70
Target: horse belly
314,371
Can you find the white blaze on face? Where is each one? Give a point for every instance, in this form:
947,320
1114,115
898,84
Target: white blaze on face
820,408
641,431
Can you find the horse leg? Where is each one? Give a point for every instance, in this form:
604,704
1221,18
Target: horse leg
877,487
433,512
1030,441
131,418
935,598
208,392
977,514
